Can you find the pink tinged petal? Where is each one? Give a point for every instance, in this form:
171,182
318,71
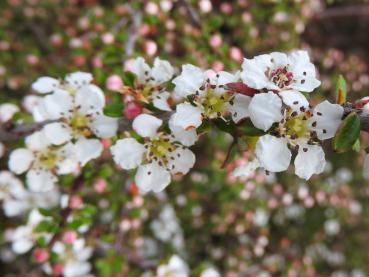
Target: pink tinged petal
37,141
20,160
104,126
265,109
326,119
88,149
183,160
141,69
310,160
90,99
273,153
162,71
57,105
253,72
160,101
294,99
78,79
40,180
146,125
189,81
128,153
152,177
45,84
187,116
240,107
57,133
185,137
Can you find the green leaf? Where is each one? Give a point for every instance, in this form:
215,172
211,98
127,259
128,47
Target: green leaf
248,129
129,79
228,127
114,110
347,134
341,90
356,146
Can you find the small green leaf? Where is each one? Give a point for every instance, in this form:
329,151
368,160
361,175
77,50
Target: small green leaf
341,90
228,127
248,129
347,134
114,110
129,79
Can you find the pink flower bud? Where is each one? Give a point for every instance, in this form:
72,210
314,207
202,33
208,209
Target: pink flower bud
69,236
217,66
226,8
236,54
132,109
114,82
99,185
150,47
75,201
40,255
106,143
108,38
58,269
215,41
97,62
79,60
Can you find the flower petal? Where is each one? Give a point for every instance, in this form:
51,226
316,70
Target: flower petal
253,72
78,79
90,99
20,160
104,126
57,133
41,180
162,71
160,101
326,119
273,153
141,69
152,177
187,116
7,111
88,149
265,109
128,153
146,125
247,169
37,141
182,160
69,162
45,84
294,99
239,108
185,137
57,105
310,160
190,80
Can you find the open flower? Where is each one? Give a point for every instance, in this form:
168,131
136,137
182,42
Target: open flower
278,71
298,128
43,160
209,96
149,83
159,156
175,267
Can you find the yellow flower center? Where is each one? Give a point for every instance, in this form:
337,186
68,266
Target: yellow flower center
79,124
47,159
214,103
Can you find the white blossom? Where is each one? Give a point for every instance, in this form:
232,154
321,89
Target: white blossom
157,158
7,110
175,267
278,71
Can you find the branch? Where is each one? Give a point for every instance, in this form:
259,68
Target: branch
192,14
9,131
362,113
132,33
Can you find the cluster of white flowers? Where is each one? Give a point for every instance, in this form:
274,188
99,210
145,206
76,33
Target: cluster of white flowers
159,149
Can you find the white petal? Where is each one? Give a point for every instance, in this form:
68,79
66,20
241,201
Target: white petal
22,246
187,116
90,99
161,101
327,118
141,69
7,111
69,163
45,84
294,99
253,72
14,207
222,78
78,79
183,160
146,125
240,107
273,153
247,169
41,180
162,71
128,153
104,126
265,109
190,80
20,160
185,137
279,59
37,141
152,177
57,105
57,133
76,269
88,149
309,160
